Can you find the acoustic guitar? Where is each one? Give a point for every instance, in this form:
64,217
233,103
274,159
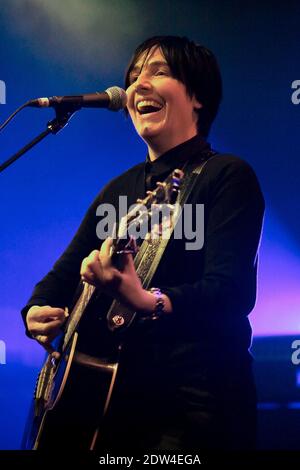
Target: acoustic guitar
73,392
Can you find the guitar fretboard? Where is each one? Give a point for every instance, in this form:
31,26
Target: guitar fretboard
77,312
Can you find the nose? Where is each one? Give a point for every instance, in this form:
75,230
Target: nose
142,83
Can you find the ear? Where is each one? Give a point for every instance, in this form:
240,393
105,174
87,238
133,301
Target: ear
196,103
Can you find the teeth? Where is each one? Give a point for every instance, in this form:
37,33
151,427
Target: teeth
146,103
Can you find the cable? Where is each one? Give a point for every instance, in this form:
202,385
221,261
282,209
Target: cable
13,115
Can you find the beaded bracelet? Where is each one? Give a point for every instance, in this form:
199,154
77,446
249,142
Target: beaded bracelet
160,303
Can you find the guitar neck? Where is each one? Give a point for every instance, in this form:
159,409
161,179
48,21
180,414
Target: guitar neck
77,312
146,259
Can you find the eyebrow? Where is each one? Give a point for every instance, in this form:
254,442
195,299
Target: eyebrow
155,63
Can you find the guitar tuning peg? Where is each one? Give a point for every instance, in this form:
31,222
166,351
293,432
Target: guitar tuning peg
139,201
149,238
150,193
161,184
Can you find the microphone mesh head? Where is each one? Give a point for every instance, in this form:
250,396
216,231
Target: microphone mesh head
118,98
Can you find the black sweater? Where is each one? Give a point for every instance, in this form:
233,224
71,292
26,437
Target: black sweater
213,289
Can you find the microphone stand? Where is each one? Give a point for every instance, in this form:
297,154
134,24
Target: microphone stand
63,115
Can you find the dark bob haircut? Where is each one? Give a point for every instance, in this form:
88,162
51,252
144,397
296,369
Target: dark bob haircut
193,65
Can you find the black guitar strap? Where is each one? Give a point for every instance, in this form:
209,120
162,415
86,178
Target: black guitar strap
150,253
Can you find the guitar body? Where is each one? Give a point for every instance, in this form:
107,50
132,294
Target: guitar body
78,394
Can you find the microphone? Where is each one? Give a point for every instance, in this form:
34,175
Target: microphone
114,99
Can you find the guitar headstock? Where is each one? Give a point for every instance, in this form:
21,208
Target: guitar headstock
165,192
151,217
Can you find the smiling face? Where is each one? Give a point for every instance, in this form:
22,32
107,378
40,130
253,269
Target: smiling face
159,106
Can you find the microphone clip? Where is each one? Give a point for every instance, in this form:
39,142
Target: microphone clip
63,115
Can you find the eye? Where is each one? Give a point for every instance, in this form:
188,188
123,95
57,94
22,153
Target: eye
161,72
133,78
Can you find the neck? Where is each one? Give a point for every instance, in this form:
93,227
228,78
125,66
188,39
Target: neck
156,149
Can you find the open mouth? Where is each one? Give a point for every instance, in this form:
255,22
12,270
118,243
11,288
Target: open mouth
149,106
